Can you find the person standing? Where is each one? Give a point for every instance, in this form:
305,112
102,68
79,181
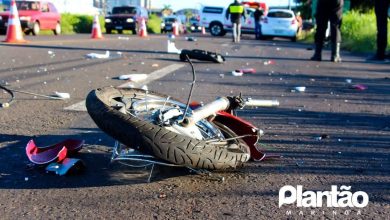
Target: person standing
381,12
328,10
257,15
236,11
300,22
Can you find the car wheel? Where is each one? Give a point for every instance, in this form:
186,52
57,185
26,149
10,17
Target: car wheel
120,31
36,29
134,31
216,29
108,31
27,32
57,30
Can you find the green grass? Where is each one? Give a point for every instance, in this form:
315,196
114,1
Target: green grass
358,32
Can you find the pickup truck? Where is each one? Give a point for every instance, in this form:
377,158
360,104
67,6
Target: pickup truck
125,18
213,18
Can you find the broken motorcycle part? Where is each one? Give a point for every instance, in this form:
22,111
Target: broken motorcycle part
202,55
56,152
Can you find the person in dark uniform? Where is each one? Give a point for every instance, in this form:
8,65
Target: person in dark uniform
236,11
328,10
381,12
257,15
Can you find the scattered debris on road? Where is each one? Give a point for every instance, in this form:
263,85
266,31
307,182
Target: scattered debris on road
56,152
98,55
202,55
136,77
237,73
268,62
123,38
359,87
299,89
62,95
191,39
68,165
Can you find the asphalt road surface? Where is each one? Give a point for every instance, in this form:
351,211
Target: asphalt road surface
354,126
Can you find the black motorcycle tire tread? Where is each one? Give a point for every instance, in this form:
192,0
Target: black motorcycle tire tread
155,140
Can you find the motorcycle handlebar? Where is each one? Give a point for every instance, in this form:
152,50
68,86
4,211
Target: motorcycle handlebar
261,103
205,111
222,104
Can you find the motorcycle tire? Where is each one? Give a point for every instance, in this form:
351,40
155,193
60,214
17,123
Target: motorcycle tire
158,141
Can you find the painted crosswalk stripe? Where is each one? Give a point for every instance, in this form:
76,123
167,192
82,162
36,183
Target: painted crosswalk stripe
80,106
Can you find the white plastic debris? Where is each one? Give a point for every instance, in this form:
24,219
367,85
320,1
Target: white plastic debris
123,38
237,73
172,48
300,88
98,56
62,95
145,87
136,77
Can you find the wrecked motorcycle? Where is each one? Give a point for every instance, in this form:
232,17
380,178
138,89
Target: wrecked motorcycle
165,130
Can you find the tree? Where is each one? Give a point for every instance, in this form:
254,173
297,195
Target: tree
167,10
188,14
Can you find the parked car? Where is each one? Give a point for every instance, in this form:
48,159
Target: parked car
195,24
214,19
34,16
167,24
279,23
125,18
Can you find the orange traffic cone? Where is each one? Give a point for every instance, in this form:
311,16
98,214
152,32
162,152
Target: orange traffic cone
96,30
14,30
203,30
175,29
143,32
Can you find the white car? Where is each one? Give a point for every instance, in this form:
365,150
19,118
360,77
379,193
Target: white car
279,23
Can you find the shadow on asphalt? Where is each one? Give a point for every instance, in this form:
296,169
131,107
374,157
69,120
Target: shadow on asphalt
96,154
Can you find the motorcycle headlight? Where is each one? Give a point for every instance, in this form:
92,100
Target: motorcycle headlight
129,20
25,18
107,20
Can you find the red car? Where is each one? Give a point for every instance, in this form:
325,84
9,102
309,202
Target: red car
34,16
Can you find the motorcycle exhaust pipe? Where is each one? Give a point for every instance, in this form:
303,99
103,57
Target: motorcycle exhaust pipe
205,111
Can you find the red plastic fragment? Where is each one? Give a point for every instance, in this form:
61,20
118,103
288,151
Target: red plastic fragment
53,153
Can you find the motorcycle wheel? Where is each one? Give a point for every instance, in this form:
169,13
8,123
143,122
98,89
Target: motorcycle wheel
133,128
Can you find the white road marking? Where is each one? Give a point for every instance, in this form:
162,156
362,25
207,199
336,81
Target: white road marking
80,106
